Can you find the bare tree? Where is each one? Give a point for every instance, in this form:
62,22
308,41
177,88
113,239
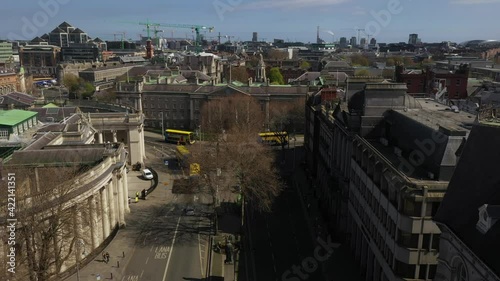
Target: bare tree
232,159
48,238
287,116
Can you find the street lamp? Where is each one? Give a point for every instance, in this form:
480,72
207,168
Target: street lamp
162,129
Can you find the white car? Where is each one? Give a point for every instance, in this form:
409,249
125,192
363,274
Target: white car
146,174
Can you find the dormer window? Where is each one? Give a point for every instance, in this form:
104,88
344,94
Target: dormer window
488,216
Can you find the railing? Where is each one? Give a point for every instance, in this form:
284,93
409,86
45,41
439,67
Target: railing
102,105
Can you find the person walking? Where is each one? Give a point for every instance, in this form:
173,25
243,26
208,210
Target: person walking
107,257
104,257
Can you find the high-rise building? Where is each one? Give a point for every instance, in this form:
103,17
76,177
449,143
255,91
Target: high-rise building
343,42
362,42
373,41
353,41
255,37
413,39
5,52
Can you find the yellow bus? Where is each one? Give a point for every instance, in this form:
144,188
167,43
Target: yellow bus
182,154
274,138
179,137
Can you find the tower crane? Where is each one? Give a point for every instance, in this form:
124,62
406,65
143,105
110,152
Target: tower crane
122,34
155,32
358,30
195,28
148,26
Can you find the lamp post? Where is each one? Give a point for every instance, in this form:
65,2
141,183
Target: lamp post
162,129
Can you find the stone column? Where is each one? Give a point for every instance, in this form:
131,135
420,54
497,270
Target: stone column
112,204
93,222
105,213
100,137
78,230
191,111
267,111
125,190
121,199
114,136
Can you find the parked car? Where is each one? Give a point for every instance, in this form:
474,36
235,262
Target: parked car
189,211
146,174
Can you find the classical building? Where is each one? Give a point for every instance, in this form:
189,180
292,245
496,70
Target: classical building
380,166
179,105
6,53
469,214
66,183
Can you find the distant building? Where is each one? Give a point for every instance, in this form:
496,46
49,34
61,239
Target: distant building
433,81
255,37
40,60
362,42
80,52
353,41
6,53
373,41
15,122
413,39
343,42
8,81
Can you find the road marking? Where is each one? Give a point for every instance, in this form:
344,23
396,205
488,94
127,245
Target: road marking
142,272
147,260
151,249
171,247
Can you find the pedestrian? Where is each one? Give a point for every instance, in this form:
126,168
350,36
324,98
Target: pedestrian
137,194
104,257
107,257
136,199
129,200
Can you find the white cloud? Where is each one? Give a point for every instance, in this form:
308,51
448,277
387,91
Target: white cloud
472,2
289,4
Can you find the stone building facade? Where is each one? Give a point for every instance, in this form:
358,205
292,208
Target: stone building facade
381,165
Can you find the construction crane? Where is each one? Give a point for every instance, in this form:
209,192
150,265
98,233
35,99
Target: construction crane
195,28
368,36
155,31
228,38
358,30
123,35
148,26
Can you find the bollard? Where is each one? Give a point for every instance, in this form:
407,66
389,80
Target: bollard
123,254
118,264
111,275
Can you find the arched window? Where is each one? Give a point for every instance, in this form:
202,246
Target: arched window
460,271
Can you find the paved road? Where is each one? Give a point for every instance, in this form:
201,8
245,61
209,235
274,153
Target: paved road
169,244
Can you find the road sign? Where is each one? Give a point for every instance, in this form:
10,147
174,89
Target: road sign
166,162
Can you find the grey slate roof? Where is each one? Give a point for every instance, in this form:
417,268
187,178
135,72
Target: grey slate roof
476,181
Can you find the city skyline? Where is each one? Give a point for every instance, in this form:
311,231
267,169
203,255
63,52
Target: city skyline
291,20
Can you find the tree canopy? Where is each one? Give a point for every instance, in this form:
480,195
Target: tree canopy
233,156
78,87
275,76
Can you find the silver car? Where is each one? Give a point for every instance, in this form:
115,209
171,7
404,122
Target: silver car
189,211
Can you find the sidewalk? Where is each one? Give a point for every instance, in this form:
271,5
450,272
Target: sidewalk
122,246
229,229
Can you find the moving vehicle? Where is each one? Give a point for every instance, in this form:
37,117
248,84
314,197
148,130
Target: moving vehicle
179,137
274,138
146,174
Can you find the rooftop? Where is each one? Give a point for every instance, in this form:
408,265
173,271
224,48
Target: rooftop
14,116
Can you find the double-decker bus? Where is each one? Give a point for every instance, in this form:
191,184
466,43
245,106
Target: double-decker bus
274,138
179,137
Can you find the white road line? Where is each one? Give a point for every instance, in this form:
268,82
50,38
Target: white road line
151,249
142,272
171,249
147,260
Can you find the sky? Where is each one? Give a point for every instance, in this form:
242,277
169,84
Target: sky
290,20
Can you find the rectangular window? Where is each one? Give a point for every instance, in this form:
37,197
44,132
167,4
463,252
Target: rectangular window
174,106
